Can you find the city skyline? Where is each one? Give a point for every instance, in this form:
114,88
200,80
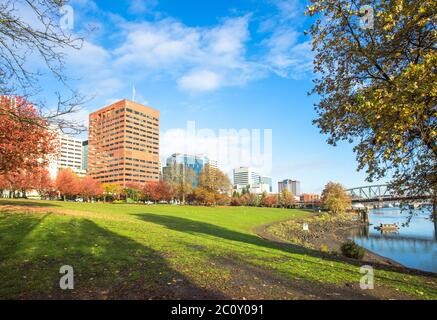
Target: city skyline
208,150
238,66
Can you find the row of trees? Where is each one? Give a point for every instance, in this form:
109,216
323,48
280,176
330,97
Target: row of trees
18,183
67,184
335,199
212,188
375,77
211,182
284,199
209,192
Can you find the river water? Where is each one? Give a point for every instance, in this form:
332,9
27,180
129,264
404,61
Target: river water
414,245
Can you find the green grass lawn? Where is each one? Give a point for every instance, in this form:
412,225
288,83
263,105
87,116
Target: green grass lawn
138,251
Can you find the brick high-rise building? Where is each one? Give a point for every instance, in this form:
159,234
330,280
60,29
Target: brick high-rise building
124,144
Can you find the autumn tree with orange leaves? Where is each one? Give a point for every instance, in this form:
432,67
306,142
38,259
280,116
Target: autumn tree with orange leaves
25,139
67,183
90,188
18,183
42,183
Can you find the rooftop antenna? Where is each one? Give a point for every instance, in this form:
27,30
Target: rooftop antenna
133,92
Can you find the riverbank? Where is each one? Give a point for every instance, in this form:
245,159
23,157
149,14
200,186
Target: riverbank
326,234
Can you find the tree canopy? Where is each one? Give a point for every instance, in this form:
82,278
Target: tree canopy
25,139
214,180
181,178
376,76
335,198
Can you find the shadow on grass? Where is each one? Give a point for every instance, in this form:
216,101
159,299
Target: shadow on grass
193,227
246,271
106,265
14,229
26,203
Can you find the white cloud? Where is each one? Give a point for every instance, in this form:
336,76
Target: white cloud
202,80
197,59
286,54
92,66
228,40
190,55
160,45
142,6
89,56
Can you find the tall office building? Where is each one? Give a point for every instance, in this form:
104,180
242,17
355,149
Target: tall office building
69,155
123,145
292,186
245,176
195,162
250,180
267,181
71,152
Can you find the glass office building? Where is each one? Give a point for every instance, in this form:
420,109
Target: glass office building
194,162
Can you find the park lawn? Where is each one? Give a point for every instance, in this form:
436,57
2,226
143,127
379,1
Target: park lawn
158,252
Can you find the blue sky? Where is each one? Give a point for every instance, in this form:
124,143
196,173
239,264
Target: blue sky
240,64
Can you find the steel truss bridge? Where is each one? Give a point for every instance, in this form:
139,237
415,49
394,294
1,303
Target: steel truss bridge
379,193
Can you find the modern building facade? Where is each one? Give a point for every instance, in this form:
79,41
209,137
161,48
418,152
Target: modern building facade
123,145
248,179
293,186
310,198
69,155
194,162
267,181
245,176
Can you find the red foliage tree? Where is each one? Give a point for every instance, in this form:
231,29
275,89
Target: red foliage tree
25,139
90,188
26,180
270,200
41,181
158,191
245,199
222,199
17,181
164,191
235,201
67,183
150,191
3,184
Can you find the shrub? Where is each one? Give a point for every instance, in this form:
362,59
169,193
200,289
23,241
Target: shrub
235,201
222,199
324,248
245,199
270,201
118,201
352,250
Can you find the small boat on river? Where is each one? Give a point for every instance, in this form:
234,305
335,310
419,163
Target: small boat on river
387,227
